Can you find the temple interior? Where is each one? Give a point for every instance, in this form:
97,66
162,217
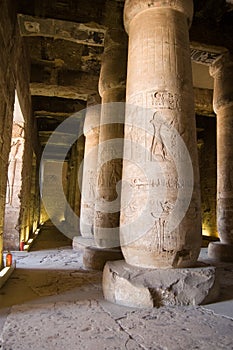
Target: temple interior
116,174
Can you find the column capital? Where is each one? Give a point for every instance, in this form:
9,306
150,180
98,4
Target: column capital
222,63
115,37
134,7
222,72
113,65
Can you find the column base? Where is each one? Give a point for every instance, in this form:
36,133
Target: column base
80,243
220,251
132,286
95,258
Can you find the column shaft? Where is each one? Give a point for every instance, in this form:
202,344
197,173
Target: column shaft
91,132
112,89
222,71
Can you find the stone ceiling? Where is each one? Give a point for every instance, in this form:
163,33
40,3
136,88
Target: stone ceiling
65,41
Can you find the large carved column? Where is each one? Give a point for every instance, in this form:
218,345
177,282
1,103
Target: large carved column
160,226
112,89
222,71
159,78
91,133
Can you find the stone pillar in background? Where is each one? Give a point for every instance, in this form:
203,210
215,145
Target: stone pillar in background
71,183
159,77
222,71
160,225
74,179
112,89
52,208
79,174
91,132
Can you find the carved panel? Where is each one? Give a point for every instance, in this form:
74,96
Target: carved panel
204,57
163,99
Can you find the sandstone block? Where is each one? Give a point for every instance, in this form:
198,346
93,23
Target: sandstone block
140,287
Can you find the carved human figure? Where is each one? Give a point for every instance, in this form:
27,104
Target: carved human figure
158,148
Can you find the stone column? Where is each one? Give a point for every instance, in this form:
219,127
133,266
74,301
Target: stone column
222,71
160,79
111,89
74,178
105,245
91,133
79,174
160,224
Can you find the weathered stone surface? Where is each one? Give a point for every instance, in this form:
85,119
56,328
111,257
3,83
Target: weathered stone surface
178,328
137,287
74,325
95,258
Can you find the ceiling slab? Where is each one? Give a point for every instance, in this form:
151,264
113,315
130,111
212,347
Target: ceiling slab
91,34
69,92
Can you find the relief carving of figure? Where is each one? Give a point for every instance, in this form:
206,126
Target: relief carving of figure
161,219
158,148
91,184
15,148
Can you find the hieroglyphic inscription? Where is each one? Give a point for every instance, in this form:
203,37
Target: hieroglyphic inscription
204,57
172,183
163,99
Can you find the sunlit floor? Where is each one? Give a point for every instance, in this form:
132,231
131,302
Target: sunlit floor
51,302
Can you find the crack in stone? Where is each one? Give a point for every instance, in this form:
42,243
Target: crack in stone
130,337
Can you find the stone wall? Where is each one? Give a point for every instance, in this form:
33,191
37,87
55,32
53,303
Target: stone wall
14,75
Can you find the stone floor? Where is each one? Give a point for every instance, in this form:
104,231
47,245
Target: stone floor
51,302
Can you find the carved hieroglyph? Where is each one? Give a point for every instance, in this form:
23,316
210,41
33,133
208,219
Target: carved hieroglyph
160,215
222,71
